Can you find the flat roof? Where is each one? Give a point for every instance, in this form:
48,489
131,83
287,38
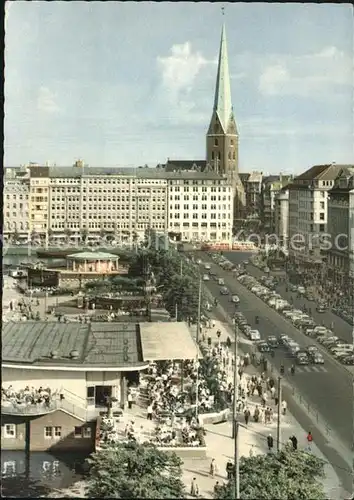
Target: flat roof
163,341
92,256
98,344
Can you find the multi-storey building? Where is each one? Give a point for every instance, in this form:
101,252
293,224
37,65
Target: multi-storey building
308,196
281,218
16,208
78,200
351,235
253,194
200,206
271,186
339,225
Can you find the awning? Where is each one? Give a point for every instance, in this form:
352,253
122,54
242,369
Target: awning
167,341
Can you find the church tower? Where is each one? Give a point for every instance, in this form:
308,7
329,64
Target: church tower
222,136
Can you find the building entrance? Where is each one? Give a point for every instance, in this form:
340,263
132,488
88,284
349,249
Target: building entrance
102,392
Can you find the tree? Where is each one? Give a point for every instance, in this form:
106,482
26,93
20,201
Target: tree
286,475
84,234
67,233
130,470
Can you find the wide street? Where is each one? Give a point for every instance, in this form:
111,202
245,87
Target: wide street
328,389
341,328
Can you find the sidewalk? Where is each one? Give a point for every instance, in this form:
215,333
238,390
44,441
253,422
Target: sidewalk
221,447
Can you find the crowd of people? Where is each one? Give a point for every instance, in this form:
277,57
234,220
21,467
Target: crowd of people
29,396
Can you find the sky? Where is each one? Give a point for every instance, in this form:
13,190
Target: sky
129,84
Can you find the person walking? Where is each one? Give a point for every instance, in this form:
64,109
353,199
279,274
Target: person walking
247,415
149,412
270,443
194,487
130,401
309,439
212,469
284,406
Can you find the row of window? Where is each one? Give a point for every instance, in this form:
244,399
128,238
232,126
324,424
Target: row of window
200,216
50,432
202,207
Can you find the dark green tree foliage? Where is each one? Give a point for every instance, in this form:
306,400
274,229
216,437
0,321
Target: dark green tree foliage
135,471
178,290
288,475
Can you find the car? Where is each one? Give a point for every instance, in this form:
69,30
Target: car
321,309
224,291
206,277
254,335
272,341
221,282
317,358
302,358
311,349
235,299
246,262
282,339
207,267
348,360
263,347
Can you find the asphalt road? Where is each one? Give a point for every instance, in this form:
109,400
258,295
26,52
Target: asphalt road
341,328
328,392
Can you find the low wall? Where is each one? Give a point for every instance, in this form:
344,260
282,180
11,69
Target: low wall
214,418
199,452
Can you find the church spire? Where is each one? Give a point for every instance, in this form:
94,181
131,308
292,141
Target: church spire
222,101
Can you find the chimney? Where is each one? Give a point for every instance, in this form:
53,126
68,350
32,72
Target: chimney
74,354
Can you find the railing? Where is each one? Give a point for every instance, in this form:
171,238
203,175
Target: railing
43,408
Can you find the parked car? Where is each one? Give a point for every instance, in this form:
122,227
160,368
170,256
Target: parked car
302,358
263,346
206,277
235,299
272,341
317,358
224,291
221,282
254,335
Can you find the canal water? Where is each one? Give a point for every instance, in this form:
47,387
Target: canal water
39,474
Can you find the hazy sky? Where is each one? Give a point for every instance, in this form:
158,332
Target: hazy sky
133,83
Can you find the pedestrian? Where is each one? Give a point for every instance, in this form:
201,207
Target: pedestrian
284,406
212,469
270,442
229,469
247,415
149,412
217,487
130,401
309,439
294,442
194,487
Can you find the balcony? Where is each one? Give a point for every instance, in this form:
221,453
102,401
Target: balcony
9,408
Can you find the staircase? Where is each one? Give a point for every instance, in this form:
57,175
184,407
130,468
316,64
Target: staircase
74,404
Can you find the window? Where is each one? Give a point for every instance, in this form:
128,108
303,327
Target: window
10,431
57,432
90,392
87,432
48,432
322,216
77,432
216,142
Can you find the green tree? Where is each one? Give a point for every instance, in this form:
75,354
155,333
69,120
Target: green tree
287,475
135,471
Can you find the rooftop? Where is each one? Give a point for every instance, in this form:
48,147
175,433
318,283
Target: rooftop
139,173
92,256
98,344
173,165
108,344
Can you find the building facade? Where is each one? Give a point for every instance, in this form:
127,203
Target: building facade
308,197
271,187
339,226
70,202
16,201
